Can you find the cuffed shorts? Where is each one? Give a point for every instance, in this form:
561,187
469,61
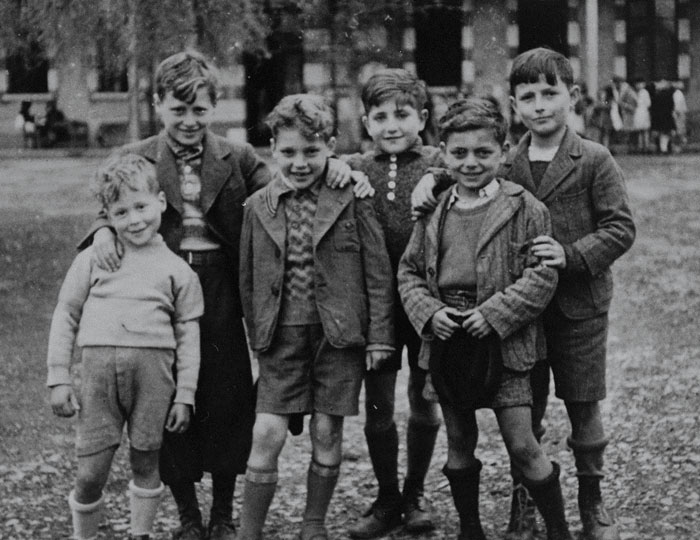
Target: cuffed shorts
123,385
301,373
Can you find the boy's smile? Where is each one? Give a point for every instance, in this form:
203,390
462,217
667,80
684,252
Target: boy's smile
544,108
301,160
136,216
186,122
473,157
394,128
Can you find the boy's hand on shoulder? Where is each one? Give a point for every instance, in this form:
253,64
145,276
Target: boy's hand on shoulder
107,250
443,323
178,418
550,251
423,200
63,400
375,359
339,173
476,325
362,188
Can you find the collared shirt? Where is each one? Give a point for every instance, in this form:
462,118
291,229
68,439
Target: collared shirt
486,193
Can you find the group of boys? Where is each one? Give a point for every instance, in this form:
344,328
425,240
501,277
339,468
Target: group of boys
490,295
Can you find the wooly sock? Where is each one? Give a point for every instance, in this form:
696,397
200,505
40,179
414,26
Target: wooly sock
86,517
143,504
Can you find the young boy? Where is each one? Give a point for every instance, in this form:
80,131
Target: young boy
592,226
134,326
395,104
317,293
206,180
473,292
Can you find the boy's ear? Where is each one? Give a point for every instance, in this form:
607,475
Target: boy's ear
272,144
442,146
162,200
365,121
575,94
331,143
506,149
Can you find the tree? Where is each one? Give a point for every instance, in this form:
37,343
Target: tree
137,33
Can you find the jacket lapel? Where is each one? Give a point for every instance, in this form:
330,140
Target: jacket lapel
166,171
518,170
561,166
215,170
433,230
499,213
331,203
274,223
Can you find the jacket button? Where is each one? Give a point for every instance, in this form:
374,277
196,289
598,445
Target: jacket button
275,290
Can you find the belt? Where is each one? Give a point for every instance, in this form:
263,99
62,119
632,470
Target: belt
459,298
204,258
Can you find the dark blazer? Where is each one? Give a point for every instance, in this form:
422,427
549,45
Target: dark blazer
230,173
585,193
353,281
512,287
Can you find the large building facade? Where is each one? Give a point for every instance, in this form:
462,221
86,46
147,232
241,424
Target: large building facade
456,46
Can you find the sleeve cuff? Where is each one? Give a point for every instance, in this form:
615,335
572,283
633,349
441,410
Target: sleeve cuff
58,376
380,347
184,395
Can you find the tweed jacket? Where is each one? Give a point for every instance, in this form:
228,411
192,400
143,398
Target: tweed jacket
230,173
513,288
584,190
353,282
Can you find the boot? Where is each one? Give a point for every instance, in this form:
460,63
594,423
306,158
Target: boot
385,513
598,523
220,521
464,485
258,493
191,527
522,524
420,442
548,498
320,484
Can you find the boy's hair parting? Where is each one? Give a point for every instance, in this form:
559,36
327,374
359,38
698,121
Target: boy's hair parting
476,112
397,84
311,114
121,172
184,74
530,65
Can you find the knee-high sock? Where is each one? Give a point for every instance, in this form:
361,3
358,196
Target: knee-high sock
86,517
143,503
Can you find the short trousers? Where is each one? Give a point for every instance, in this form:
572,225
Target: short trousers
469,374
576,351
124,385
406,336
302,372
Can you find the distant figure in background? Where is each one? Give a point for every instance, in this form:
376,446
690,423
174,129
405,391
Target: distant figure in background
627,104
642,118
25,123
680,112
601,121
53,126
662,122
580,116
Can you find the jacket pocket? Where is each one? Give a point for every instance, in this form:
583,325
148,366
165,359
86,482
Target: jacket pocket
345,236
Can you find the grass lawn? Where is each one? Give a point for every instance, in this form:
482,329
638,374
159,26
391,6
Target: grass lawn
651,412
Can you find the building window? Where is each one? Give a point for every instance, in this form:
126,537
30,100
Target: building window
539,30
652,47
438,53
28,71
111,70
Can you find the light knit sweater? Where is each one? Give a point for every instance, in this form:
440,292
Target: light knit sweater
154,300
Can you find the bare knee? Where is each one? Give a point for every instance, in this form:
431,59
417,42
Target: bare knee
326,433
144,467
525,453
268,441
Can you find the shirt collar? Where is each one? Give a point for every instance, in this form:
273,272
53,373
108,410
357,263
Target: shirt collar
486,193
181,151
415,148
281,186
